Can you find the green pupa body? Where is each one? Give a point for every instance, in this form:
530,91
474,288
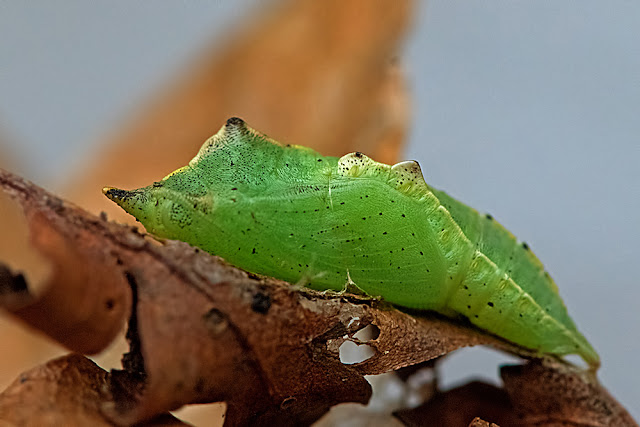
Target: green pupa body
286,211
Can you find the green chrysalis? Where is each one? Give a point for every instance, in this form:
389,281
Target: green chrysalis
286,211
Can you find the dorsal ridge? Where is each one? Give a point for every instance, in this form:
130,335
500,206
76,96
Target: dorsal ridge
405,177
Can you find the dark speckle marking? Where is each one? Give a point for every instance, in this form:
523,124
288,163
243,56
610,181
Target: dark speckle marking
261,302
116,193
490,304
488,216
525,246
109,304
157,184
235,121
358,154
253,252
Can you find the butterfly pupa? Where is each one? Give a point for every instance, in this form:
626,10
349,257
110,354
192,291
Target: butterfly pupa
286,211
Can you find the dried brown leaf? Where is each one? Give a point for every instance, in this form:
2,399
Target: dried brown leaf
552,394
67,391
538,393
459,407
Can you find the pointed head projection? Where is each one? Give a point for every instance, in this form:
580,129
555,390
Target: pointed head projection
174,206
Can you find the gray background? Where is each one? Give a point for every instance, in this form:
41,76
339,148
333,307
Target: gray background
525,109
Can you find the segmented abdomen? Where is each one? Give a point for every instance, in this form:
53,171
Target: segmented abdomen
506,290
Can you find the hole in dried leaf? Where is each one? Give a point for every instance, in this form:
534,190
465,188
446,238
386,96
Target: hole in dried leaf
351,352
368,333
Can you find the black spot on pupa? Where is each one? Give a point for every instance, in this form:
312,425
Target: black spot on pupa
116,193
490,304
525,246
234,121
157,184
488,216
253,252
404,216
358,154
234,188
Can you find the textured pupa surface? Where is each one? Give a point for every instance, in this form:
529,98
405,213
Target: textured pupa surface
288,212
